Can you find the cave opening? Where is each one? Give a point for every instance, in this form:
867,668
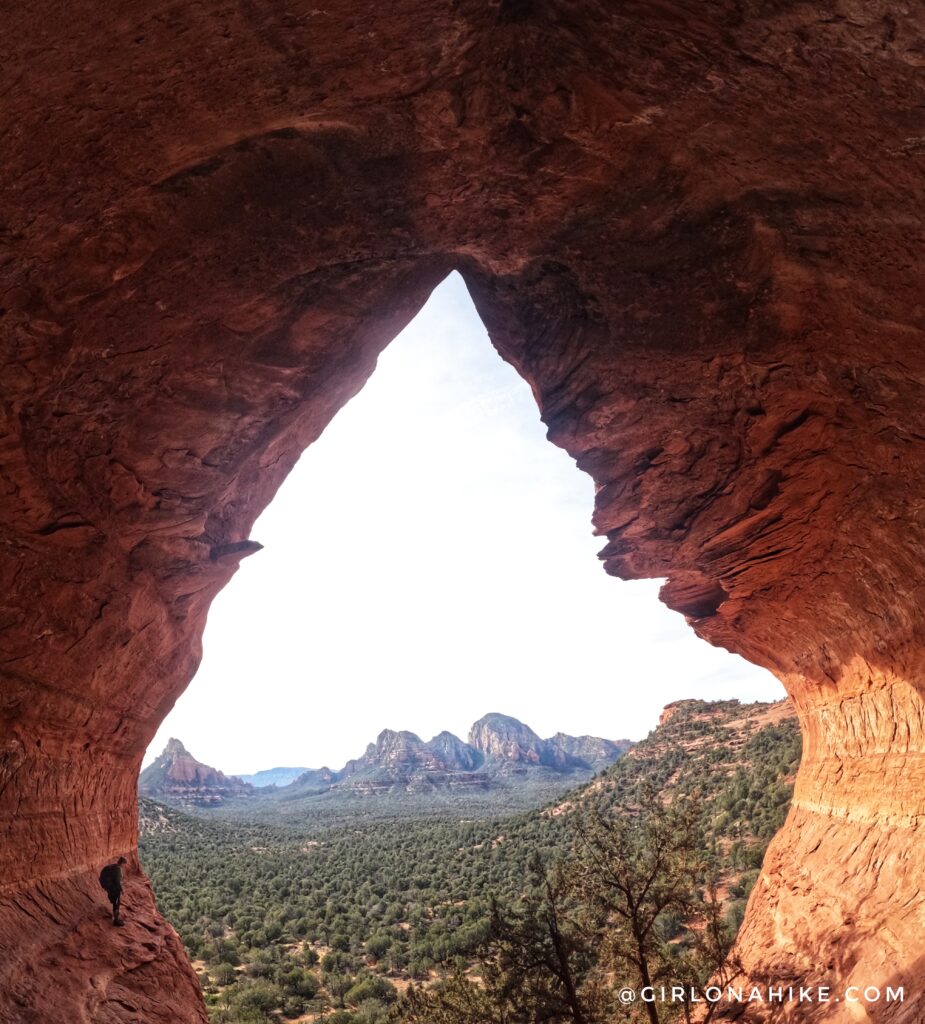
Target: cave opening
427,561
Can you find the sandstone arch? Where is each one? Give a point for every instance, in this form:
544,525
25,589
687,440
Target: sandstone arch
693,227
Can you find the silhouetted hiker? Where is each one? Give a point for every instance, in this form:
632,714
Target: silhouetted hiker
111,881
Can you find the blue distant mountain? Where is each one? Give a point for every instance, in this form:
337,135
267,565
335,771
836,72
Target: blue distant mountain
273,776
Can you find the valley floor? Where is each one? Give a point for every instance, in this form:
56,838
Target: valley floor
336,920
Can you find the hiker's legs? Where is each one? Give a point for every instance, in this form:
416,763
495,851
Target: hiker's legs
116,903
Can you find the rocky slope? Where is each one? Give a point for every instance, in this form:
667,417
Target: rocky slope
702,745
176,777
127,965
589,751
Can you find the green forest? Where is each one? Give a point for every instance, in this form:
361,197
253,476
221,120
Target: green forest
443,920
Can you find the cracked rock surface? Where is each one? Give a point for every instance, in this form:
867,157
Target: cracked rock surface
695,229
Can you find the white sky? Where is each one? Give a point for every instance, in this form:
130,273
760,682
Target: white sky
428,560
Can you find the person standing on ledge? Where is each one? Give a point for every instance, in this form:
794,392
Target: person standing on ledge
111,881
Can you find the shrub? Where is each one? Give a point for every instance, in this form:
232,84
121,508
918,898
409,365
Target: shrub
370,987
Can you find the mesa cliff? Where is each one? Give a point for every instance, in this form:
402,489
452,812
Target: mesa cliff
178,777
694,229
502,752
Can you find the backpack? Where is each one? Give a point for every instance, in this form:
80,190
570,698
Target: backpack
107,878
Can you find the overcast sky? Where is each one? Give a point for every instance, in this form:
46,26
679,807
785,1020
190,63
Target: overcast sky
428,560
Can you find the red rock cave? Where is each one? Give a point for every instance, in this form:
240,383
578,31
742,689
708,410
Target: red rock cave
693,226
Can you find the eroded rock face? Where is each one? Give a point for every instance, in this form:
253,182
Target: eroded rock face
177,777
505,742
75,965
694,228
502,738
593,751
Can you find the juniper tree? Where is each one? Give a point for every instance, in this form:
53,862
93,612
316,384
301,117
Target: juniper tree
533,968
632,872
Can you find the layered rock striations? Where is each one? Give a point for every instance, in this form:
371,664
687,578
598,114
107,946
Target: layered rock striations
693,228
74,957
402,760
506,742
500,748
455,753
500,738
177,777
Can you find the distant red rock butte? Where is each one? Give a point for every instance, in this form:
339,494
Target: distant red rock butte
178,776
